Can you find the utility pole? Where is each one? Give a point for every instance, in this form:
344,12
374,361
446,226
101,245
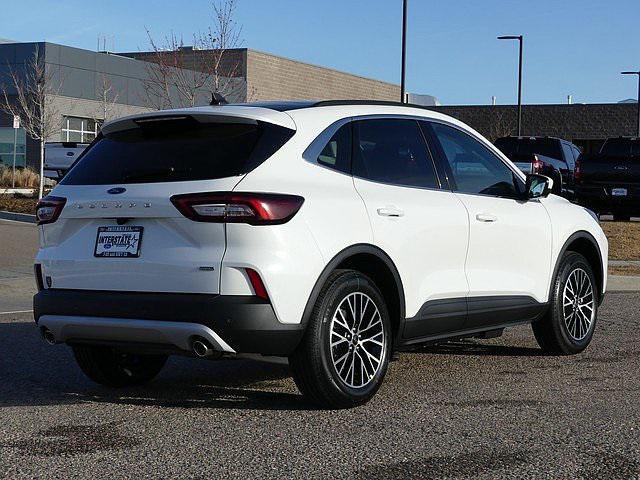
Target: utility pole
638,103
403,92
520,40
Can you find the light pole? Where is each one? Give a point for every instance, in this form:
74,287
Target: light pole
404,51
519,38
636,73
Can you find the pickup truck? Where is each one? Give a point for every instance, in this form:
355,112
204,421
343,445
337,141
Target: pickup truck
59,156
553,157
609,181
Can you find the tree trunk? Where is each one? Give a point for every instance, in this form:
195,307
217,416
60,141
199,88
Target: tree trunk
41,191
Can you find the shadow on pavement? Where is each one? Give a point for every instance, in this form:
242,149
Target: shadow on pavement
33,373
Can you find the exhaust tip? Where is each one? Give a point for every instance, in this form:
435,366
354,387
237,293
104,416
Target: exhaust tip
48,336
201,348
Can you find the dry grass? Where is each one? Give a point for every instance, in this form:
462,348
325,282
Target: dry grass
25,178
624,240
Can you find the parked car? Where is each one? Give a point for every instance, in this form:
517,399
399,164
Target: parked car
609,181
330,234
553,157
59,156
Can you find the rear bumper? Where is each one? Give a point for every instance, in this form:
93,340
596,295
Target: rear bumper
600,200
241,324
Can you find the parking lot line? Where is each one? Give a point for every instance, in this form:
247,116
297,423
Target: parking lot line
16,311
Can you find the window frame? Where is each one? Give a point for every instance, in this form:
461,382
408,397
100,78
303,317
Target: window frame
314,149
441,158
65,130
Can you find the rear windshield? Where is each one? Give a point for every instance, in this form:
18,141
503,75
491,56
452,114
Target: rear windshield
176,151
621,147
513,147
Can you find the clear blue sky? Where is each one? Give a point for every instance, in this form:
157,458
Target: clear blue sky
573,47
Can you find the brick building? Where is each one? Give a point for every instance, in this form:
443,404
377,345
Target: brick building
271,77
586,125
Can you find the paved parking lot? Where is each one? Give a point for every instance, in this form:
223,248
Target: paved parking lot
474,409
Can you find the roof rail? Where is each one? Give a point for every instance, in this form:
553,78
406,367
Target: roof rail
332,103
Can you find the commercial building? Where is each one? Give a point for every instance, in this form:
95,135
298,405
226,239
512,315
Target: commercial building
91,87
586,125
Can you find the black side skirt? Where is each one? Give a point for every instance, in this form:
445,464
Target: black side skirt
460,317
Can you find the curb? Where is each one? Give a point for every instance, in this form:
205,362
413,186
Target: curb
623,283
17,217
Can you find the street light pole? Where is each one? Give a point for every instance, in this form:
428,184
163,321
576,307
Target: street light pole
520,40
404,51
638,74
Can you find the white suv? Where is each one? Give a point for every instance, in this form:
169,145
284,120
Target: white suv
331,233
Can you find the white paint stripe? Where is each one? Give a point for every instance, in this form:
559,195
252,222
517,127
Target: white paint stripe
16,311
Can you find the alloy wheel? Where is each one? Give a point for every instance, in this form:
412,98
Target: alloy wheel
578,307
358,340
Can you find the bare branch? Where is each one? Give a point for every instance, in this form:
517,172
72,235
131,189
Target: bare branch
30,96
179,76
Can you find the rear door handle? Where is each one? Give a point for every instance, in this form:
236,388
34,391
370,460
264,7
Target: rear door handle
390,211
486,217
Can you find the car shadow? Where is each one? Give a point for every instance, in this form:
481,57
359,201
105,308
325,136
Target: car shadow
33,373
474,348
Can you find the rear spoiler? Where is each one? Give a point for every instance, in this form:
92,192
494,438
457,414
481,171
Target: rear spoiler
222,114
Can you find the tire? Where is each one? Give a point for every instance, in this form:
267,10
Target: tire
107,366
568,328
322,372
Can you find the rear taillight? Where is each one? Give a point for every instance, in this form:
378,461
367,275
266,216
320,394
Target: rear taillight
230,207
536,165
48,209
577,172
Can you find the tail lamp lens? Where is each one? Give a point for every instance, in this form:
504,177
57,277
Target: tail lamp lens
48,209
536,166
230,207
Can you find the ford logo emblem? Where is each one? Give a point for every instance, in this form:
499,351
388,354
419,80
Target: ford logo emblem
116,190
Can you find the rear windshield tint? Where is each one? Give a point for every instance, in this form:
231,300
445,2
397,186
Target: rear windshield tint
512,146
621,147
176,152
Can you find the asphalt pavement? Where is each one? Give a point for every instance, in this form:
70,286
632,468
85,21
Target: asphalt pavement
468,409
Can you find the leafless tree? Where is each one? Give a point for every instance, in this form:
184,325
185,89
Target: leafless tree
107,97
181,76
501,124
29,96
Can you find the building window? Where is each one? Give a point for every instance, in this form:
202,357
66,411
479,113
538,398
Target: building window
77,129
6,147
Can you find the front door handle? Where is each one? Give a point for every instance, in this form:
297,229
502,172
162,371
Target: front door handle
486,217
390,211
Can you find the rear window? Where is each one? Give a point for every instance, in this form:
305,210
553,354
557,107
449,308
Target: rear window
621,147
513,147
176,151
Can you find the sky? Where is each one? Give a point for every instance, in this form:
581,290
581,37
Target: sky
576,47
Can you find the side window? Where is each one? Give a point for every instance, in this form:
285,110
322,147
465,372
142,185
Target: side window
576,153
475,169
392,151
568,155
336,153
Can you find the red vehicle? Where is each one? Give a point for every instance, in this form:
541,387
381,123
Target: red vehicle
553,157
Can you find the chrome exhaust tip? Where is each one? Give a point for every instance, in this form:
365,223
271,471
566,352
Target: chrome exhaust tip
202,348
48,336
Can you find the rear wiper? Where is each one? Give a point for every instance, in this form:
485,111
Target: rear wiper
148,174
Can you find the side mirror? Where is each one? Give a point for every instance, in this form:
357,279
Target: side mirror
538,186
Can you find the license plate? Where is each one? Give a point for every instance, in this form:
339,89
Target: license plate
619,192
118,241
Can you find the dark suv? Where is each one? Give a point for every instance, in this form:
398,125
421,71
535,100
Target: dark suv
553,157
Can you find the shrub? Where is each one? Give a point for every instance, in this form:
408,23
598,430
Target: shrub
25,178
